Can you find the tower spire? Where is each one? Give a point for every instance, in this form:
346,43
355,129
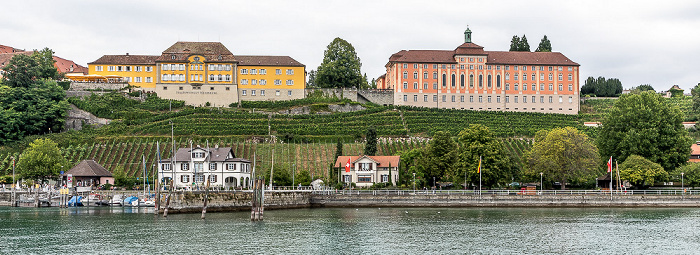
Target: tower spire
467,35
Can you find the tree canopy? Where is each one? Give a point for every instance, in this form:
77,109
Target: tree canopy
23,71
602,87
41,160
641,172
562,154
691,174
340,67
440,156
696,99
497,166
641,88
646,125
519,44
371,144
545,45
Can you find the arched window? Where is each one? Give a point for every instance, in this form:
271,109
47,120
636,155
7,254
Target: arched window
444,80
461,80
471,81
453,80
488,81
220,77
498,81
481,80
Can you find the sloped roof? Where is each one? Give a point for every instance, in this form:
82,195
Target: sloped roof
62,65
210,50
8,49
423,56
125,60
694,149
244,60
528,58
89,168
469,49
217,155
383,161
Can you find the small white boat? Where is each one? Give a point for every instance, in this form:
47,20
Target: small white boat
143,203
117,200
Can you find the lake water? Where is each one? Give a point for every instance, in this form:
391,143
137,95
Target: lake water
354,231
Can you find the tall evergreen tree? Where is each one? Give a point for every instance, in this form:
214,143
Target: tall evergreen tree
515,43
524,46
371,145
545,45
312,79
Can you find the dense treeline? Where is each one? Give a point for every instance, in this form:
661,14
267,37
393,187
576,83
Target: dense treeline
602,87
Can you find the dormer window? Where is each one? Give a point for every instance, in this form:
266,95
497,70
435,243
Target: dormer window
220,58
198,155
196,58
172,57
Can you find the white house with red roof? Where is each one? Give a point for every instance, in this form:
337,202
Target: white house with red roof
366,170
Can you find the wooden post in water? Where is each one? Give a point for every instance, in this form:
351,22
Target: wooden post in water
157,206
258,200
206,198
167,199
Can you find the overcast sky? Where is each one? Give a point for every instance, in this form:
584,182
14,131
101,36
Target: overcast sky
638,42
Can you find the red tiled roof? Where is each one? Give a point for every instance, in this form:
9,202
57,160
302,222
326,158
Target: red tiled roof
469,49
8,49
89,168
5,58
423,56
267,61
210,50
125,60
383,161
528,58
62,65
694,149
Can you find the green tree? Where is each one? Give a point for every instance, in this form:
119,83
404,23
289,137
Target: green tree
41,160
641,88
497,167
524,45
303,178
371,144
45,64
22,71
514,43
562,154
696,99
645,125
440,156
676,92
411,162
338,149
365,82
545,45
373,84
340,67
641,172
691,174
602,87
312,79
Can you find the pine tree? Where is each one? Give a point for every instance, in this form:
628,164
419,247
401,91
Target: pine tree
514,43
545,45
524,46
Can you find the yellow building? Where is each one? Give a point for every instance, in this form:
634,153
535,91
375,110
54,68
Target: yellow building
137,70
207,73
270,78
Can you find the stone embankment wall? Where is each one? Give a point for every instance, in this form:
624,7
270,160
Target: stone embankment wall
96,86
77,118
377,96
459,200
184,202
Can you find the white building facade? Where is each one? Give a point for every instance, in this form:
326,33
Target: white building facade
365,170
193,167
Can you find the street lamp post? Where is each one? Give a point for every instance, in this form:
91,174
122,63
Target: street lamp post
682,184
14,182
414,183
294,169
433,182
541,187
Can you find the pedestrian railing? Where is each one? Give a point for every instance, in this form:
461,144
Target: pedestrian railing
669,192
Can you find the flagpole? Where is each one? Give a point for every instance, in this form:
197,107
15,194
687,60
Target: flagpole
611,177
479,177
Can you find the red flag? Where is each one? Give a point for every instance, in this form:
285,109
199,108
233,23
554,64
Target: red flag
347,166
610,165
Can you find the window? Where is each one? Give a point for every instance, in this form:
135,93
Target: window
405,85
244,92
507,86
149,69
533,76
461,80
534,87
290,71
434,85
227,67
533,99
137,79
415,85
571,77
165,77
507,99
364,178
435,98
541,76
98,68
481,81
110,68
570,99
425,85
498,99
434,66
405,65
488,79
453,80
253,71
182,77
471,81
173,67
571,87
180,88
524,86
212,178
199,178
253,82
444,98
515,77
149,79
385,178
185,166
550,76
415,75
471,99
263,71
444,80
453,98
228,77
244,71
569,68
278,71
515,87
290,82
185,178
561,77
541,99
524,99
262,92
561,87
198,167
461,98
471,67
244,82
551,87
181,67
488,99
289,93
434,75
405,75
425,98
405,98
541,87
415,98
516,99
252,92
524,77
425,75
165,167
481,100
230,166
425,66
561,100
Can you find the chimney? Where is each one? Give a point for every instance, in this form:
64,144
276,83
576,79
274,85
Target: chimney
127,53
